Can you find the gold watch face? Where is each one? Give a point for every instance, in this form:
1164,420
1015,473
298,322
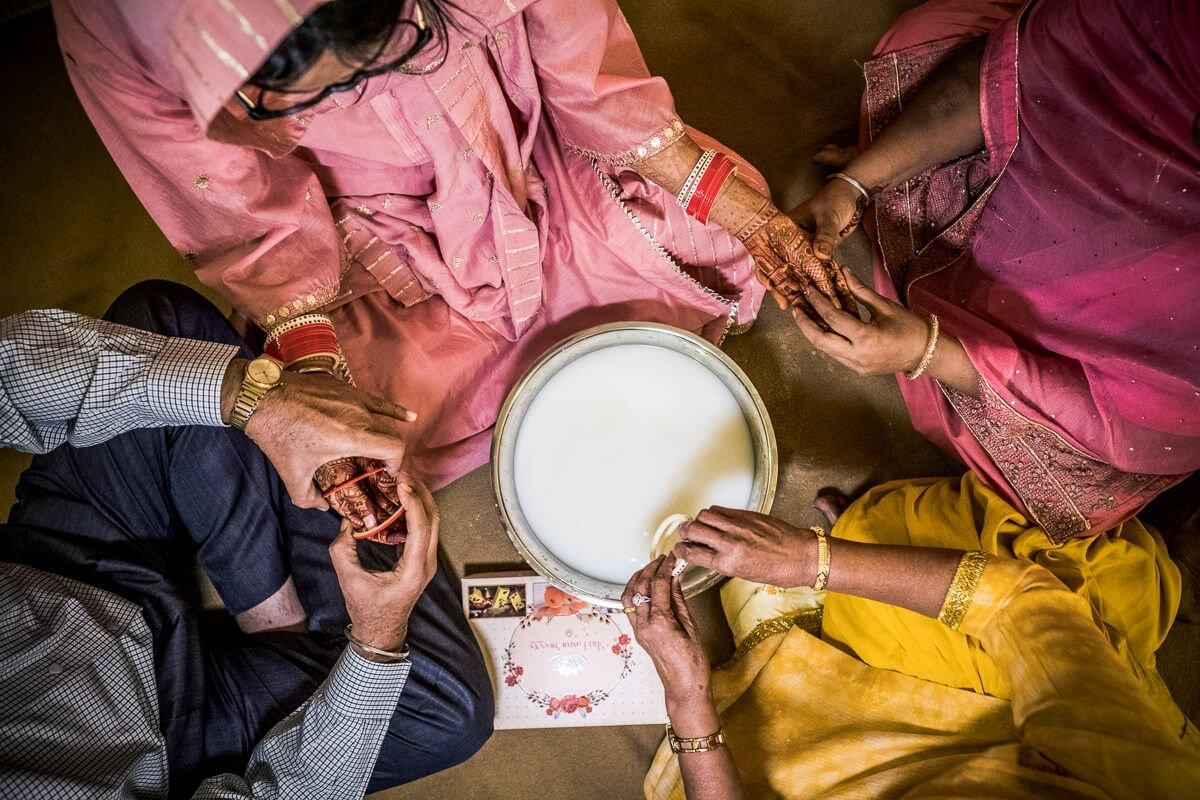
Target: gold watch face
265,371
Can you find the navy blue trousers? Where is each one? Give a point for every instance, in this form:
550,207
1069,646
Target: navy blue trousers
134,515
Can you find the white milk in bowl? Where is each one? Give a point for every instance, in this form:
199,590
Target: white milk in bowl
619,439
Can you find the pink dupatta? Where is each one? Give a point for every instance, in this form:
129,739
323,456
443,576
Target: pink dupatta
1063,256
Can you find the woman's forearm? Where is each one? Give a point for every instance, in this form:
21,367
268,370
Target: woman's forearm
952,367
706,776
736,205
916,578
942,123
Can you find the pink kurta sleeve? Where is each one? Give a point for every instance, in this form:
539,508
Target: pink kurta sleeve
256,228
600,95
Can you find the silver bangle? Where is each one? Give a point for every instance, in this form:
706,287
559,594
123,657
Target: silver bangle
853,182
401,655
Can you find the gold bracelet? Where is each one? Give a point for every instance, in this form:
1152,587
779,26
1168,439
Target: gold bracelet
698,744
822,559
401,655
930,347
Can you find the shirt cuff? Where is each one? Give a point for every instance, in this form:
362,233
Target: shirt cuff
184,383
365,689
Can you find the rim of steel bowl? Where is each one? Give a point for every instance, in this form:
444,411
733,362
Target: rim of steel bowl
508,424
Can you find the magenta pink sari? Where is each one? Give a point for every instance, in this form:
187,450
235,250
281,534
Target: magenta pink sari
1065,257
451,219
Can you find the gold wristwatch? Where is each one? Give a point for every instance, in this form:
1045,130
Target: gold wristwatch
262,375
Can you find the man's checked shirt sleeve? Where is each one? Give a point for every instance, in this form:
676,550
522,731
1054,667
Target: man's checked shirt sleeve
69,378
326,748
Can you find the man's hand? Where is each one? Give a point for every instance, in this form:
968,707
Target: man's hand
664,628
312,419
380,603
751,546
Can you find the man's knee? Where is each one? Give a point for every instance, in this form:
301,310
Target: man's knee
475,721
171,309
451,730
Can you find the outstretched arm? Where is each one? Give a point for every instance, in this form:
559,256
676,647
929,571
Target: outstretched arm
942,123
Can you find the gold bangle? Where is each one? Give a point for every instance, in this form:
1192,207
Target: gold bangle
822,559
930,347
698,744
401,655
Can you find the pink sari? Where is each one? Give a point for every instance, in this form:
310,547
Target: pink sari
455,220
1063,256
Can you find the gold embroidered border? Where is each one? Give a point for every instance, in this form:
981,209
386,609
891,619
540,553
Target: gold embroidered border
807,619
313,301
652,145
962,588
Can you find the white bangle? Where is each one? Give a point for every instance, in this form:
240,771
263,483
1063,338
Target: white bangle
930,347
693,179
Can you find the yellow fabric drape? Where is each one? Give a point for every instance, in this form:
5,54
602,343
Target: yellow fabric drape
805,718
1125,574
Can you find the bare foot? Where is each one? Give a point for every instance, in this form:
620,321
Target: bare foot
833,156
831,502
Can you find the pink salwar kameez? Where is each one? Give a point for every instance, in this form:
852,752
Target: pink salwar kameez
455,219
1063,256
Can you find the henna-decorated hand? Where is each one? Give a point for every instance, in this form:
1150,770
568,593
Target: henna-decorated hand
368,502
787,264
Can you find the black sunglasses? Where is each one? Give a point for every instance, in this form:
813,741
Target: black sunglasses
257,111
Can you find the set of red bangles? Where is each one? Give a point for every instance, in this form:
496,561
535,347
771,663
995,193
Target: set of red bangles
699,192
306,344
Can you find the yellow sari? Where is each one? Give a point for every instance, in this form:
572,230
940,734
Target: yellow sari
1045,685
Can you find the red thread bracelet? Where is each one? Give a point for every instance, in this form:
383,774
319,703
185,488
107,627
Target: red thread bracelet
380,527
328,493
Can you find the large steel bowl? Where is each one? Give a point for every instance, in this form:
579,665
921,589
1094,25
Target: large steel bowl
508,425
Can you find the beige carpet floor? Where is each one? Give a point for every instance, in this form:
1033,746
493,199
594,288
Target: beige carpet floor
774,79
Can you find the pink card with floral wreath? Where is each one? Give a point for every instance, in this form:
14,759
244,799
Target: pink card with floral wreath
557,661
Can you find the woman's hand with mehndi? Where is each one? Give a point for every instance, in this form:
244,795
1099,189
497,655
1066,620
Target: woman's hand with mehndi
364,491
787,263
892,340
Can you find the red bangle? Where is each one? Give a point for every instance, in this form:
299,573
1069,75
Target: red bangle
709,186
305,341
387,523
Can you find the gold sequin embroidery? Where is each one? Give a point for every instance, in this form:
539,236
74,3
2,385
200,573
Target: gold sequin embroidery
654,144
807,619
202,182
962,588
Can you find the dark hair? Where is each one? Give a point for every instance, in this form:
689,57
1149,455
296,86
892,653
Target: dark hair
354,30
